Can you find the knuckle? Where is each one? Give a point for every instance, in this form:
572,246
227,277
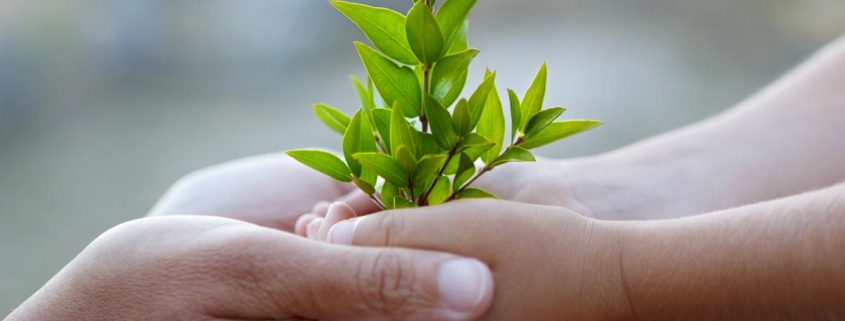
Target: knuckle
391,229
388,284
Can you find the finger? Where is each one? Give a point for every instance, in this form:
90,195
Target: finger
302,224
337,212
313,227
360,202
321,208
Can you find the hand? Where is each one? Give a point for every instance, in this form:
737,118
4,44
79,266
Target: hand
549,263
270,190
204,268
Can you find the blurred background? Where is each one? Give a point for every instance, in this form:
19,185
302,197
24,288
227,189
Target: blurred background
105,103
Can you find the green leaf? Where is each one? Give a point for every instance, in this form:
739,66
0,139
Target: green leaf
381,120
388,194
430,145
514,154
399,202
424,34
400,131
451,17
516,113
460,43
406,160
384,27
441,124
384,166
461,118
427,170
542,119
449,76
474,193
394,83
479,99
492,126
324,162
440,192
359,139
333,118
365,94
532,103
476,141
365,187
557,131
466,168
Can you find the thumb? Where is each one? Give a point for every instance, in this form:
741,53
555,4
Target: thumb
364,284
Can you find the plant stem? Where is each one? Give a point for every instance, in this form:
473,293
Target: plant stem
424,198
377,201
426,72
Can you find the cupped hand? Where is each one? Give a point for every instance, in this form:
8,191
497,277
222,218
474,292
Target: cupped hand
208,268
549,263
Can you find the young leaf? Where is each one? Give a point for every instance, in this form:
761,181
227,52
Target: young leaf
466,168
441,124
474,193
381,120
492,125
427,170
324,162
461,118
359,139
364,94
516,113
542,119
449,76
532,103
400,131
399,202
451,16
384,27
388,194
333,118
459,43
406,160
384,166
476,141
514,154
557,131
394,83
365,187
440,192
424,34
479,99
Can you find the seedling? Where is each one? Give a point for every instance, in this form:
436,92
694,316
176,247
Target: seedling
421,146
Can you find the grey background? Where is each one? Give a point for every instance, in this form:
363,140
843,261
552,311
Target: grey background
104,103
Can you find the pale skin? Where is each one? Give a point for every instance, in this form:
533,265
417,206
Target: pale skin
777,259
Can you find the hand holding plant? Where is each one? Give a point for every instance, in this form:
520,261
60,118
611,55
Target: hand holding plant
413,151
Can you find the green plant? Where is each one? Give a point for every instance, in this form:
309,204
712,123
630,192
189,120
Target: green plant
412,150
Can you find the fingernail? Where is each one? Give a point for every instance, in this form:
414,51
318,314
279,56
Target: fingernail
463,284
341,233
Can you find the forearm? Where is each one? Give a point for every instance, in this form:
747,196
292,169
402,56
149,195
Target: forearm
780,260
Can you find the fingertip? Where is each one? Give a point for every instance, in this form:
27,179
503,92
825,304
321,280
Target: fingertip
314,227
302,222
321,208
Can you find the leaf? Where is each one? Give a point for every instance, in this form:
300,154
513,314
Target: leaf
424,34
532,103
474,193
381,120
492,126
365,187
384,166
460,42
428,168
451,17
394,83
359,139
440,192
514,154
475,141
384,27
466,168
479,99
333,118
406,160
430,145
388,194
461,118
516,113
400,131
441,124
542,119
557,131
449,76
365,94
324,162
399,202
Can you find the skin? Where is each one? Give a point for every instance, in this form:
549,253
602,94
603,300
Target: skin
206,268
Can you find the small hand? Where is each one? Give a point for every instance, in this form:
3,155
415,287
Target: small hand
549,263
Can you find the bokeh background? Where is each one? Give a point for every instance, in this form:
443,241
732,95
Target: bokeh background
105,103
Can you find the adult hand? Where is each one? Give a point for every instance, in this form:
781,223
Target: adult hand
271,190
205,268
549,263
